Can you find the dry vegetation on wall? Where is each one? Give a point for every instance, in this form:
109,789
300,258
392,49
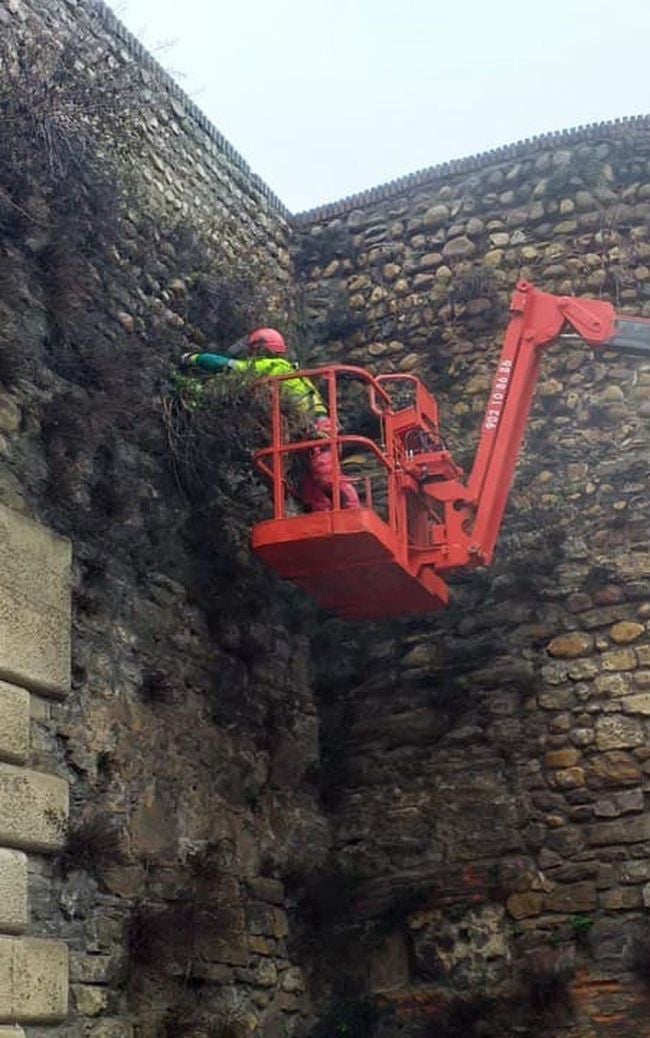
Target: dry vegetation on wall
72,214
62,136
213,426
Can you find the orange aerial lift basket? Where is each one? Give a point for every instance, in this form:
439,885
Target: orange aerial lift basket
417,519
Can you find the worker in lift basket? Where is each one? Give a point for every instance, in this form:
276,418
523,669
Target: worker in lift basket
265,358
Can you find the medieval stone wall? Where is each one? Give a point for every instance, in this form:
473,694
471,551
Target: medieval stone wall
492,761
190,722
270,808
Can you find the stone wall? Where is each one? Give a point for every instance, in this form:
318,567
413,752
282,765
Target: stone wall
184,168
190,727
269,808
492,762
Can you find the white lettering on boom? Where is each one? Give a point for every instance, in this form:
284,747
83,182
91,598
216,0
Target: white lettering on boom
498,395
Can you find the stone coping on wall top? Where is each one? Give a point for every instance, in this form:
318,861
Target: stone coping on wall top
470,164
139,52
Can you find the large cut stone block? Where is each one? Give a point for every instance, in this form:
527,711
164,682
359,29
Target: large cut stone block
33,980
33,809
14,723
34,605
623,831
13,891
11,1032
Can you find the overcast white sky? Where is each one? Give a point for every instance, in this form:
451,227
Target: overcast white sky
324,98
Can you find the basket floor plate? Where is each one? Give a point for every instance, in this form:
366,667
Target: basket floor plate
347,560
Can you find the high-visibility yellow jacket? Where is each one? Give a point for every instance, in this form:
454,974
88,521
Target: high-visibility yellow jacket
301,391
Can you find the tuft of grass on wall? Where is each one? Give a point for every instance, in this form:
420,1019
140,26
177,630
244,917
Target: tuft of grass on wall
546,976
91,845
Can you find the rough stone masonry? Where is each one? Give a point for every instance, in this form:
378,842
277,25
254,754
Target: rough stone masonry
500,752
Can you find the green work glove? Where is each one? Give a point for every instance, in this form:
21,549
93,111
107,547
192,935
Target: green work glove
211,361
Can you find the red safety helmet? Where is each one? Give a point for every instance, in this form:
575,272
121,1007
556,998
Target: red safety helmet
266,339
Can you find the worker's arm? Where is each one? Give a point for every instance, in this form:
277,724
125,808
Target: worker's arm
207,361
262,366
